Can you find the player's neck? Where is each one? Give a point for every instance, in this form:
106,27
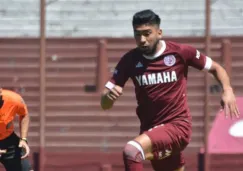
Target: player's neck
159,51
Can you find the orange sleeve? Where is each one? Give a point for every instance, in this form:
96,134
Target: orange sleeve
16,99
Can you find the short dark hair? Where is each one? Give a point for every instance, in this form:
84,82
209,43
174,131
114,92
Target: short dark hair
145,17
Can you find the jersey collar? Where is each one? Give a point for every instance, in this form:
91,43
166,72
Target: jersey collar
159,53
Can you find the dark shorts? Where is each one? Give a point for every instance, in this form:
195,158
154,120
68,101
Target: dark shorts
168,142
12,158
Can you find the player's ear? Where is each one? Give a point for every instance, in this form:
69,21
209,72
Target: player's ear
160,33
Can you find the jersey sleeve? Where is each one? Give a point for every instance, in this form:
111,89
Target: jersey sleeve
120,74
195,58
22,108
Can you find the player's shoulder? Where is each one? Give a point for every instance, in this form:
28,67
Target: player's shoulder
131,56
11,96
177,47
133,53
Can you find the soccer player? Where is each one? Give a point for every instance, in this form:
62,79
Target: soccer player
11,145
159,70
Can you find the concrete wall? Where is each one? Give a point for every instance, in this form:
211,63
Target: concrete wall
112,18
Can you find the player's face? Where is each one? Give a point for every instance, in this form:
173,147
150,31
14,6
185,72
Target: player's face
147,38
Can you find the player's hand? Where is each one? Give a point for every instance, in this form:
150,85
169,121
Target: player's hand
114,93
23,144
228,102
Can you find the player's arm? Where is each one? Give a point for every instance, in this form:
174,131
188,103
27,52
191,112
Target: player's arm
220,75
24,119
24,127
114,87
109,96
198,60
228,97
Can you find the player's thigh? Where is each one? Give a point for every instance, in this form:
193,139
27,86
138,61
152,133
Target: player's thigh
17,165
151,142
164,140
12,158
181,169
13,164
168,139
146,145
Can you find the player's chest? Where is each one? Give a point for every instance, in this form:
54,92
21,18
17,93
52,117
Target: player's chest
7,111
165,69
164,64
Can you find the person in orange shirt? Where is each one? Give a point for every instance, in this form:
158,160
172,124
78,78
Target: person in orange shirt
11,145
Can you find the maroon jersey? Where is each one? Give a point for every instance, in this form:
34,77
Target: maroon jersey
160,81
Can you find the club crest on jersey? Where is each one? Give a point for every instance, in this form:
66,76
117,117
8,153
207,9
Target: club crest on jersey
169,60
